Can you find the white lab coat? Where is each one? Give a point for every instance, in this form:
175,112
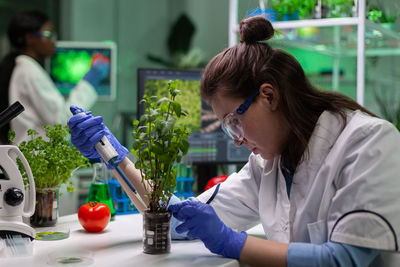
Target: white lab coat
31,85
347,190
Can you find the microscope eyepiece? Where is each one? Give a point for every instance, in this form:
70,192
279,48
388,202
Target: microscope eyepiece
10,113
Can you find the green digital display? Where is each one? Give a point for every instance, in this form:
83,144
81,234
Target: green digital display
69,65
189,97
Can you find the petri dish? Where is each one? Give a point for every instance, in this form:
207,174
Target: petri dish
52,233
70,257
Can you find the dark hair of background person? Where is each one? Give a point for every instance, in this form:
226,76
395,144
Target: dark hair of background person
240,70
21,24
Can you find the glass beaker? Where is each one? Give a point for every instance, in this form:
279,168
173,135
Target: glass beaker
46,208
99,190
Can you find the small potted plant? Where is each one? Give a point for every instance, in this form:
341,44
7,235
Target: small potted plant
307,9
386,17
52,162
287,9
338,8
159,143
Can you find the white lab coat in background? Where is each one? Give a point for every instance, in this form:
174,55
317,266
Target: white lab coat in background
31,85
347,190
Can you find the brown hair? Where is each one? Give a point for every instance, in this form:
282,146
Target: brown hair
240,70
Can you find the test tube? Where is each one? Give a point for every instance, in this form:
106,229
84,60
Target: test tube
188,179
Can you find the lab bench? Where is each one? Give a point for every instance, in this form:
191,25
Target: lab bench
120,244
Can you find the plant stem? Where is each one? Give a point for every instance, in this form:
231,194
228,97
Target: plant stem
150,143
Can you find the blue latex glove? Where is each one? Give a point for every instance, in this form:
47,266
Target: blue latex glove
201,221
86,131
97,72
175,222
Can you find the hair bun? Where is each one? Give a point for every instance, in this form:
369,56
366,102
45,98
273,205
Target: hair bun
255,29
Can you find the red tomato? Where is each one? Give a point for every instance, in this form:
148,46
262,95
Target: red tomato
94,216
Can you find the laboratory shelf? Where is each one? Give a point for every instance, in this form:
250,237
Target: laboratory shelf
292,24
339,40
337,37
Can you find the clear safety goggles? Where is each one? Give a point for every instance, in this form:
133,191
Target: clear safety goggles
231,124
47,34
232,127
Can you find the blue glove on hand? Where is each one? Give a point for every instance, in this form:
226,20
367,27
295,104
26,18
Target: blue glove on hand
175,222
86,131
97,72
201,221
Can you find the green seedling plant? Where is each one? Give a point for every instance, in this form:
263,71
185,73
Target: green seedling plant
374,15
306,8
289,7
159,142
339,8
379,16
286,7
52,161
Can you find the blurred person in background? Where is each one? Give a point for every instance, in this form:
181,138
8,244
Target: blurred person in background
32,36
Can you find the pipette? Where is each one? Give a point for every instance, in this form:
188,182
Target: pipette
110,156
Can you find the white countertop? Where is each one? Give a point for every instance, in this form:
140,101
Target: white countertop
120,244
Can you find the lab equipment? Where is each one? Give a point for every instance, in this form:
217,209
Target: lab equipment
123,204
10,113
70,257
201,221
103,147
72,60
57,232
13,204
15,245
184,181
231,125
99,190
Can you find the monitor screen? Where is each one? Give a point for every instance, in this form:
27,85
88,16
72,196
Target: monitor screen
155,82
208,143
72,61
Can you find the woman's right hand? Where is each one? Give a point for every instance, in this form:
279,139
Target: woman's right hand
86,131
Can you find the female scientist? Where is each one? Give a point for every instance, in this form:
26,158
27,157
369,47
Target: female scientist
322,178
22,78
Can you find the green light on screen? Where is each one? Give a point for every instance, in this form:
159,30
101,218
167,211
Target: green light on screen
71,66
189,97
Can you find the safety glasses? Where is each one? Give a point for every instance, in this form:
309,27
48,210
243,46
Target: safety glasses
231,124
47,34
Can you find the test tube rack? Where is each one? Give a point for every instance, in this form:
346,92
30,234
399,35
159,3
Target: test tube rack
123,204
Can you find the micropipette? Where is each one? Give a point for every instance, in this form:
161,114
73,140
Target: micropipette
110,156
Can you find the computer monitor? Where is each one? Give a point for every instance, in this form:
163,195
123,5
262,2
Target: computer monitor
72,61
208,143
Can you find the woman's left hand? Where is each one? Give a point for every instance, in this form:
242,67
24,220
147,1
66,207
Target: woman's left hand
201,221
